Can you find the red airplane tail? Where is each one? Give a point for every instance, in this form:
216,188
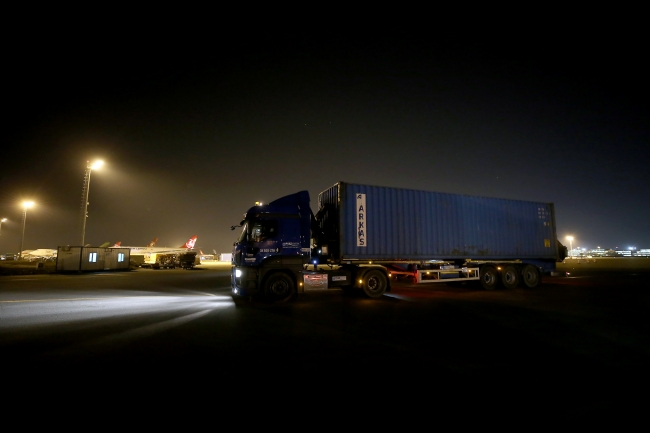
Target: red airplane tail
190,243
117,244
152,243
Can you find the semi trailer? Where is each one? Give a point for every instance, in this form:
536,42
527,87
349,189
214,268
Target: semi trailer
361,233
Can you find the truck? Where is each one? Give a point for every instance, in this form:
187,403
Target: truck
183,260
162,261
188,260
360,234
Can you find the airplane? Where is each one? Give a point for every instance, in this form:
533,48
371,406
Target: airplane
40,253
119,244
149,250
104,245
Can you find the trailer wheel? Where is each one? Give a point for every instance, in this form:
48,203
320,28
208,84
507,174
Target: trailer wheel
489,277
279,287
530,276
509,277
375,284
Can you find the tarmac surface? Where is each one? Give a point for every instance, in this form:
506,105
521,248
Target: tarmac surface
577,346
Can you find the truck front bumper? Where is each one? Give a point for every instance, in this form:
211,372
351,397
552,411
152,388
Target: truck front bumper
244,282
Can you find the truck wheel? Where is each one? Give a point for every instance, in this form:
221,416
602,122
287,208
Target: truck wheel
489,277
279,288
509,277
530,276
375,284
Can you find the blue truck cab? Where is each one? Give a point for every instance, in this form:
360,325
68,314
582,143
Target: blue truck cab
272,249
282,243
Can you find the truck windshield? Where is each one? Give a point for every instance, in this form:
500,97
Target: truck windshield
258,231
264,230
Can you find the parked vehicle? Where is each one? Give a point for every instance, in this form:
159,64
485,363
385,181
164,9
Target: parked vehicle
188,260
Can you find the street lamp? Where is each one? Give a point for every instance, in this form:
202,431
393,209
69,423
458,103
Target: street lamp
570,239
26,205
1,221
84,196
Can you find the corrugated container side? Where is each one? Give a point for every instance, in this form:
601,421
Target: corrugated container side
92,259
68,258
329,206
117,258
404,224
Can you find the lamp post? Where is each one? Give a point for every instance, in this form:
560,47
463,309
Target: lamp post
86,189
570,239
26,205
1,221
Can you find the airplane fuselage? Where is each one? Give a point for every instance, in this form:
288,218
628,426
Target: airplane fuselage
149,252
143,251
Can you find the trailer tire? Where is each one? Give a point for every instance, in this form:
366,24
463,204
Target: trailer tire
489,277
375,284
279,287
530,276
510,277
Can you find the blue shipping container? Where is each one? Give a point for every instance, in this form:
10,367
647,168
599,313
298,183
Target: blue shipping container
383,223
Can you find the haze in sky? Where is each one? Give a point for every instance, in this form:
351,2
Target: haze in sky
192,138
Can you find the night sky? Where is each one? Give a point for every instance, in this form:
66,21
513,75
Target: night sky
193,134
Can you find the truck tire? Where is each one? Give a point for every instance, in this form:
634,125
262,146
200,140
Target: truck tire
510,277
375,284
530,276
489,277
279,287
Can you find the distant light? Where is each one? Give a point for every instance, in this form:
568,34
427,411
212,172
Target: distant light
258,203
96,164
570,239
28,204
